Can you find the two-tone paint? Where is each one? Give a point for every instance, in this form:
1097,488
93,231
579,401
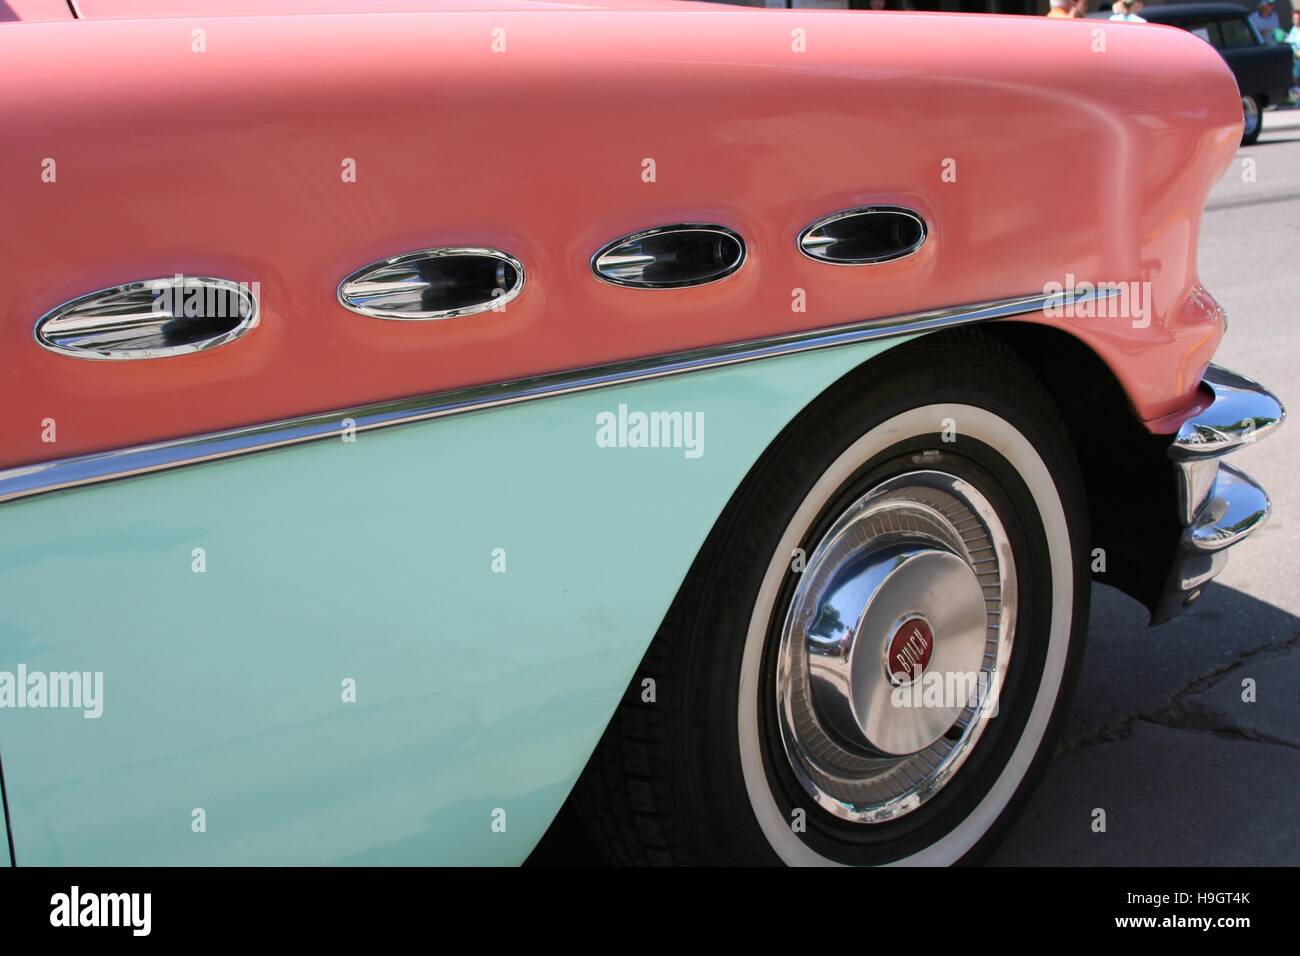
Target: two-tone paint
292,150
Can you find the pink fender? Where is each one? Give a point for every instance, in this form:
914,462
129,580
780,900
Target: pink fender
533,128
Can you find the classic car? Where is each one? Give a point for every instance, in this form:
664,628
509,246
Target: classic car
1263,70
420,414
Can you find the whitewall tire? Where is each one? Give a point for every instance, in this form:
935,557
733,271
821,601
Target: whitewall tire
924,521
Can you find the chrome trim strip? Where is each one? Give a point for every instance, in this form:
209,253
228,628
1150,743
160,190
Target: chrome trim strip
117,328
681,227
37,479
807,245
494,304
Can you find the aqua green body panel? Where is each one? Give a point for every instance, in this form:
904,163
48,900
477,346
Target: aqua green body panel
479,694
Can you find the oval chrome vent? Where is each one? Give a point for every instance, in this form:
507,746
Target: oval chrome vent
862,236
434,284
670,257
153,318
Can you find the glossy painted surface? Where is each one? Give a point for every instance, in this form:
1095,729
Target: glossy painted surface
120,9
1067,162
372,561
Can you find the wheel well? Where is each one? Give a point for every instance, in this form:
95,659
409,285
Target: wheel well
1130,483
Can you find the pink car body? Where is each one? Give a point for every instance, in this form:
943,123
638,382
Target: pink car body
235,169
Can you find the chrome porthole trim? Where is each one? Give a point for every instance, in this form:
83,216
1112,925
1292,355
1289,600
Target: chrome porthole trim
138,320
817,243
43,477
393,289
924,551
624,261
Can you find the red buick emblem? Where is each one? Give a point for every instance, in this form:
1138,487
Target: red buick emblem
909,651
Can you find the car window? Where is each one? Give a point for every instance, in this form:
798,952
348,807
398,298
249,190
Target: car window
1237,32
1207,30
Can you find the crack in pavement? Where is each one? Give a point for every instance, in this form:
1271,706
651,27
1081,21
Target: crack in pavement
1180,714
1198,718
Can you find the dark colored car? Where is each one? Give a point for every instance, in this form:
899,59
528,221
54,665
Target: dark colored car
1263,70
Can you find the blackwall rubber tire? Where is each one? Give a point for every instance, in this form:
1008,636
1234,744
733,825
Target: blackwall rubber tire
704,773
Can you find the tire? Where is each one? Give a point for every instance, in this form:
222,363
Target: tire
723,767
1252,119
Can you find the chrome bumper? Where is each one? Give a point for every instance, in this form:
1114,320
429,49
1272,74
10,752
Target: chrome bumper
1218,505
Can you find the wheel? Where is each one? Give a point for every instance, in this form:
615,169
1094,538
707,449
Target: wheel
872,655
1252,120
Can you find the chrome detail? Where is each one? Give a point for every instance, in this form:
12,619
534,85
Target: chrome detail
431,284
148,319
1195,481
48,476
864,236
1218,505
1200,569
1236,507
670,257
1241,411
1250,118
927,548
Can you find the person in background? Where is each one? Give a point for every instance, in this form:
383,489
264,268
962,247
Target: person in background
877,4
1265,20
1061,8
1080,9
1124,10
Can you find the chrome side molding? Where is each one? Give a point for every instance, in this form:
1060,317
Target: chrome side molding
150,319
430,284
26,480
670,257
863,236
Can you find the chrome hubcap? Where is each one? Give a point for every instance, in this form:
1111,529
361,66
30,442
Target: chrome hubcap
1250,113
894,646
